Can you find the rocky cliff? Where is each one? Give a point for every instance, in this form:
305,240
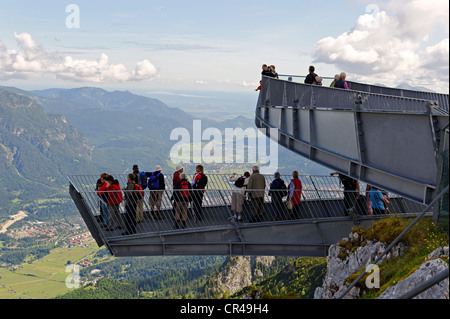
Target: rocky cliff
354,253
237,273
432,266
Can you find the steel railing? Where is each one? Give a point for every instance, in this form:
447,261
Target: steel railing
440,98
167,211
284,93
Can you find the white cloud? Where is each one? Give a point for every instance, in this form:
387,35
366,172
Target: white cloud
393,46
248,84
31,59
201,82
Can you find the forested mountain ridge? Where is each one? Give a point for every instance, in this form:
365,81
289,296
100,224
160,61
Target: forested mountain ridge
37,151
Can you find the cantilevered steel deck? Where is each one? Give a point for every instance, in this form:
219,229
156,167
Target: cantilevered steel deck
322,221
387,137
390,138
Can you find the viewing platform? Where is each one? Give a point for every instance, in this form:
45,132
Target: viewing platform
394,139
321,221
390,138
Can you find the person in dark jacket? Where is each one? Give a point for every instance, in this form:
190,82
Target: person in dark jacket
131,201
278,190
341,84
198,184
351,192
267,71
311,77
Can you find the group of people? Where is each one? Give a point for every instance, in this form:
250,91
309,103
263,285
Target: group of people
110,194
338,82
311,78
267,70
376,200
253,185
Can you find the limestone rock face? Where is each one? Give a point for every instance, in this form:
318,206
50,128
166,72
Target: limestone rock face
342,263
338,268
430,268
239,272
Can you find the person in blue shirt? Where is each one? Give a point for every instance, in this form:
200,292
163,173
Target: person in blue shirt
379,201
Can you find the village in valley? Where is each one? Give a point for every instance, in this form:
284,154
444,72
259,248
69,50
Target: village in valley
21,233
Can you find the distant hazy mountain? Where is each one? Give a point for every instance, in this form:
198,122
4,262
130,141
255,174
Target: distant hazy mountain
407,86
90,97
51,133
37,151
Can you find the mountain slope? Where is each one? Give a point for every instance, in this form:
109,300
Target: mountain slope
37,151
299,279
112,101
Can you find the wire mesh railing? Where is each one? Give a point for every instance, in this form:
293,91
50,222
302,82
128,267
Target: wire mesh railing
132,212
289,91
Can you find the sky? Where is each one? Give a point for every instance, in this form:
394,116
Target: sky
194,45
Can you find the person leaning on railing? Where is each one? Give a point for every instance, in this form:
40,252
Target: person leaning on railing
256,189
295,194
341,84
199,183
182,197
379,201
278,190
351,192
156,185
115,197
101,189
237,196
131,199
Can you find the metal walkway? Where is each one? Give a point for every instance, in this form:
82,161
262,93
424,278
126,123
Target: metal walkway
390,138
320,223
385,137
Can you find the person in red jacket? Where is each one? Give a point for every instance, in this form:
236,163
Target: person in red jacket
115,197
295,194
103,199
176,175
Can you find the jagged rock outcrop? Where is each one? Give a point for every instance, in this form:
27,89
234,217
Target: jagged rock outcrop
432,266
342,263
238,273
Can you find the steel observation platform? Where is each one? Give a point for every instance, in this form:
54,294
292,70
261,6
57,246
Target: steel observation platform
386,137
